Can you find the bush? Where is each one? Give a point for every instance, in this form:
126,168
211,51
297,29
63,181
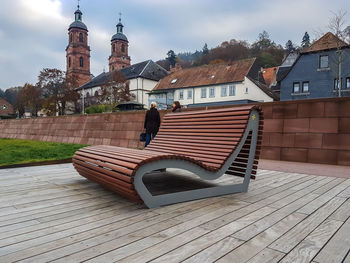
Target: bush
99,108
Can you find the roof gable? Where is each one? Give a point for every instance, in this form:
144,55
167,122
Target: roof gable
326,42
207,75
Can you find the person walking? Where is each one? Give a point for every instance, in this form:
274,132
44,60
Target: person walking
152,123
176,107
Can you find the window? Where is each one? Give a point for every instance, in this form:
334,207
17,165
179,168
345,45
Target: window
296,87
81,37
96,93
87,94
123,48
223,91
348,83
70,37
211,92
69,62
203,92
323,61
181,95
81,62
173,81
246,90
232,90
305,86
113,47
189,94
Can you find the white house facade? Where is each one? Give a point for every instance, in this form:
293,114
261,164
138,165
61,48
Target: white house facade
142,78
212,85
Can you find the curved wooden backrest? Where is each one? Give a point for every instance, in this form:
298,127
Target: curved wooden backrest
209,136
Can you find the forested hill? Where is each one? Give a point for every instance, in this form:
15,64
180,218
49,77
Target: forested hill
267,52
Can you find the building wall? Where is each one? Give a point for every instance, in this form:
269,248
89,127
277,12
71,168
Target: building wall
314,131
6,108
254,93
321,82
140,87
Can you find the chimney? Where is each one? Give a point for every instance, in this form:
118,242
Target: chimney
176,68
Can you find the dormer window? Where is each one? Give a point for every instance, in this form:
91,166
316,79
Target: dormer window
173,81
212,77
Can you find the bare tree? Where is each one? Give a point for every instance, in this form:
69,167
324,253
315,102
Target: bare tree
337,27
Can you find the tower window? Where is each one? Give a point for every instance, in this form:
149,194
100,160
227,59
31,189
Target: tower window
123,48
70,38
113,47
69,62
81,62
81,37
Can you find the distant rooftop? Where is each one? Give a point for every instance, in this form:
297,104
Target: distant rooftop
328,41
146,69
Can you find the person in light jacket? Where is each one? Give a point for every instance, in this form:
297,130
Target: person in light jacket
152,123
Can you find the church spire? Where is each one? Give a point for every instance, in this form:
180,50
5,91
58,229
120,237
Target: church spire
120,25
78,14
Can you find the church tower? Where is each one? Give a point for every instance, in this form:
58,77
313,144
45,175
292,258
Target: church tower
78,51
119,57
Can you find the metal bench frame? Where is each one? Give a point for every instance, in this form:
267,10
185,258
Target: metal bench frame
166,199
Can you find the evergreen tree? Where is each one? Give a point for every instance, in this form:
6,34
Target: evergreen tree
290,46
306,41
205,49
171,57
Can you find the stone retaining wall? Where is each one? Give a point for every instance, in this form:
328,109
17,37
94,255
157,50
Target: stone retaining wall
315,131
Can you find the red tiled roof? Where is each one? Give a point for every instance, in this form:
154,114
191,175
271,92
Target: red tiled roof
328,41
207,75
269,75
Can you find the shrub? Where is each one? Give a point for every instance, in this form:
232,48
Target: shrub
99,108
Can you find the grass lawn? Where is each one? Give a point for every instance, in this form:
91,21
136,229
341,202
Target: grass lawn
13,151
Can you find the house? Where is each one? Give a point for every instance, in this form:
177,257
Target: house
210,85
315,72
269,75
274,75
142,78
6,110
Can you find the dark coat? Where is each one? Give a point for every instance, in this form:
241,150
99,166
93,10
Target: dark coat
152,121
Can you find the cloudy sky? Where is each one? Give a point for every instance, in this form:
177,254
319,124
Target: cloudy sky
33,33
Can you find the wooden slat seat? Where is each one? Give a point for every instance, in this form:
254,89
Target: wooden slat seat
208,143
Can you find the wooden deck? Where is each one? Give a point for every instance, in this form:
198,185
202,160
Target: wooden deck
50,213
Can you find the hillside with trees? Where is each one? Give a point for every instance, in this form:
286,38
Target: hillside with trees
267,52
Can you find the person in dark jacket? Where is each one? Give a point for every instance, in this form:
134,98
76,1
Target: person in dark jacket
152,123
176,107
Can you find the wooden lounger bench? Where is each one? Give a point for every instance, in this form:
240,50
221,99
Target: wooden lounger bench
208,143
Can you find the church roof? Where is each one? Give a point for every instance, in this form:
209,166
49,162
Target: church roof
146,69
119,36
78,24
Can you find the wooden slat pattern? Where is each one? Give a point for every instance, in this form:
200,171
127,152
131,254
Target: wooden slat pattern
206,138
51,214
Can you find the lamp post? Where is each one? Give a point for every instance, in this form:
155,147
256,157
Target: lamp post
83,111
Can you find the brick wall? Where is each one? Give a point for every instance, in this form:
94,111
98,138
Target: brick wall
315,131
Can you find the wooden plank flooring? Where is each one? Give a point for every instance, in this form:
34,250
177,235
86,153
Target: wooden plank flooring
51,214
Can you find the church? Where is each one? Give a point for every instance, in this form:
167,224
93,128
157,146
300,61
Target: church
142,77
